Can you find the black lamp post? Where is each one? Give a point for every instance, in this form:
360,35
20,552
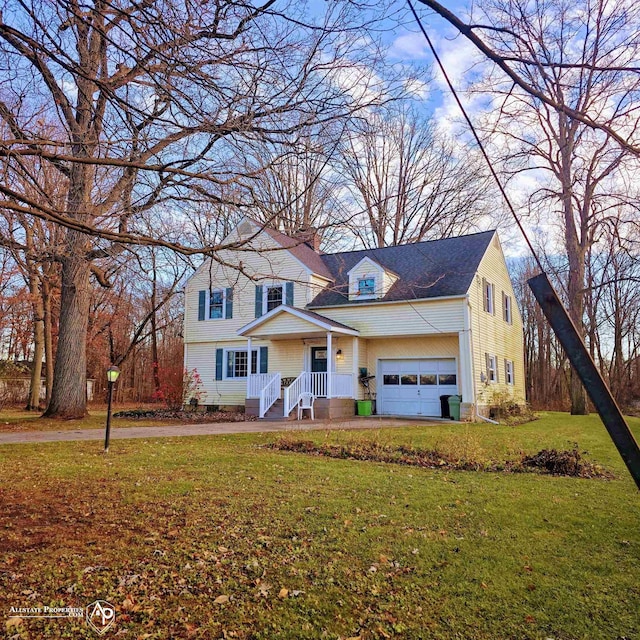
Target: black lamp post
112,375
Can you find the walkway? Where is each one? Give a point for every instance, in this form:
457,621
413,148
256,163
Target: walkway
226,428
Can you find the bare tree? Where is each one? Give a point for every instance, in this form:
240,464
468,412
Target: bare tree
302,188
409,180
148,107
573,54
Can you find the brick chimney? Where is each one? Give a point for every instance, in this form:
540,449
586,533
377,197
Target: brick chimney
310,236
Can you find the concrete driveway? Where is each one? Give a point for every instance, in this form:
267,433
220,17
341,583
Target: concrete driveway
221,428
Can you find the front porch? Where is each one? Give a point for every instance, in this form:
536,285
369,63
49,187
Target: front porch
270,395
308,354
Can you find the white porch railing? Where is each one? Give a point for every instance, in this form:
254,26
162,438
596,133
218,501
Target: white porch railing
269,393
257,382
341,385
316,383
293,391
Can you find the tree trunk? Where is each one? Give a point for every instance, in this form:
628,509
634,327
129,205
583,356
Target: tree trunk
69,392
574,239
48,341
33,403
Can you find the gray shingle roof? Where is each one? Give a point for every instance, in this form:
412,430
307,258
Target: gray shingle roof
431,269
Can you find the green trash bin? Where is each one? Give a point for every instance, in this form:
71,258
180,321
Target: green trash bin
364,407
454,407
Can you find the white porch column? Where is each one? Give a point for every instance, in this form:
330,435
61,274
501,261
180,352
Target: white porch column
248,367
356,357
329,362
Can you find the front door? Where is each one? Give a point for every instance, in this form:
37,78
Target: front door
319,359
318,366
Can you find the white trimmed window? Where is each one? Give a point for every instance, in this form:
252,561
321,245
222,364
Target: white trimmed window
366,287
273,296
488,296
508,372
492,368
236,362
507,311
217,303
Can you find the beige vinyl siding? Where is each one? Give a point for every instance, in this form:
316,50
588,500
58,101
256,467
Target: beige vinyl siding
202,357
287,357
270,267
491,334
390,319
284,324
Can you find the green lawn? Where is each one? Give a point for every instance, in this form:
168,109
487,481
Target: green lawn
216,537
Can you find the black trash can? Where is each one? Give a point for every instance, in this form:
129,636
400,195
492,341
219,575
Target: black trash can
444,406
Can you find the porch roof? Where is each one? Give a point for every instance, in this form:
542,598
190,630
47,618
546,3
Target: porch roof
289,322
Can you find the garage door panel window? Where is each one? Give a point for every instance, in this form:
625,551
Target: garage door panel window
413,386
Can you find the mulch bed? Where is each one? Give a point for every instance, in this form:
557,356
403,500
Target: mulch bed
184,416
547,461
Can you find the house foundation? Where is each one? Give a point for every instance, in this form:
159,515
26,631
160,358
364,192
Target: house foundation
323,408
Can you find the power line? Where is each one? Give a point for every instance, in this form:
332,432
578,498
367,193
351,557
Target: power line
476,136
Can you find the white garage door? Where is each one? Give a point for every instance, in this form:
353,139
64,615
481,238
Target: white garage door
414,387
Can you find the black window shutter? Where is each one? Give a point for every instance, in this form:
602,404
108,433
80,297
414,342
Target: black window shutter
506,370
487,363
264,359
485,304
219,364
504,307
229,309
202,301
289,294
497,369
258,300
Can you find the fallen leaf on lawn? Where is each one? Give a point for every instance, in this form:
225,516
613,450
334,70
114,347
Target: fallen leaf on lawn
14,621
221,600
283,593
484,585
531,587
191,628
296,592
529,619
527,568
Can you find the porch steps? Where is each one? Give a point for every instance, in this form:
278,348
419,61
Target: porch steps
274,414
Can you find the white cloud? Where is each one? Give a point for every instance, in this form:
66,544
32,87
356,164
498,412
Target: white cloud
410,46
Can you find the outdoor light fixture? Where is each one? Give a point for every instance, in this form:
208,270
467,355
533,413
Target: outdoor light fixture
339,355
112,375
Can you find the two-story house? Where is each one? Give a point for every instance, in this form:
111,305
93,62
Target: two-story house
274,317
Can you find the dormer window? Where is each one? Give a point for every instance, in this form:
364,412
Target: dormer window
369,280
366,286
